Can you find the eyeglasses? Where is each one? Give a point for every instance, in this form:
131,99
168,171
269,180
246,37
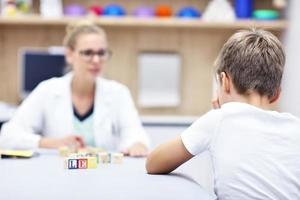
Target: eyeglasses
89,54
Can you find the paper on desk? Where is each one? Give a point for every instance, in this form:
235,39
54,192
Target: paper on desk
17,153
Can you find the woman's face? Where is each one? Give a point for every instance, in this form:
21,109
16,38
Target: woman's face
88,56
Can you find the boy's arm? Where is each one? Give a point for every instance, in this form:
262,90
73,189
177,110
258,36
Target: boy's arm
167,157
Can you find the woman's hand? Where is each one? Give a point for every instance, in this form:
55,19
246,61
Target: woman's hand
137,150
73,142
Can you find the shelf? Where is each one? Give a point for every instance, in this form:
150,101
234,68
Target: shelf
155,22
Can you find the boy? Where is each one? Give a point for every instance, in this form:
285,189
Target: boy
255,151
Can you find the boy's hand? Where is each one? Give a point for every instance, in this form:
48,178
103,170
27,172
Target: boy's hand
137,150
74,142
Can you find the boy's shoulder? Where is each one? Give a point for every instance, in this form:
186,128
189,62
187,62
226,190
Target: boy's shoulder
243,112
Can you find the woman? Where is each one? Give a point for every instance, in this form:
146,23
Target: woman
80,108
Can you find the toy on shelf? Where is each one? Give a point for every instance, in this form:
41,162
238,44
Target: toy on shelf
280,4
51,8
144,12
114,10
220,11
188,12
243,9
96,10
74,10
12,8
265,15
163,11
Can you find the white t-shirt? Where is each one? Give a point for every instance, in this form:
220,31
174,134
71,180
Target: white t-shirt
255,153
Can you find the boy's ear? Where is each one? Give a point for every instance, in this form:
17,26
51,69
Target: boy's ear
225,82
276,96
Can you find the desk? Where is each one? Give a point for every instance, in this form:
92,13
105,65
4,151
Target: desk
44,177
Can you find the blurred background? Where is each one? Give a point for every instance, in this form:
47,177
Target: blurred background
163,50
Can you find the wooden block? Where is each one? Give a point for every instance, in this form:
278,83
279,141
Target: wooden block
66,163
72,163
104,157
117,158
82,163
91,162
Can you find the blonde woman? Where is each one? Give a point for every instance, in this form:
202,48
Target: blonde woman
80,108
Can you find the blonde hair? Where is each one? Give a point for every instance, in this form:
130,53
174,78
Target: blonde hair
75,29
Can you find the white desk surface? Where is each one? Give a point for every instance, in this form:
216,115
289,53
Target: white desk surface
44,177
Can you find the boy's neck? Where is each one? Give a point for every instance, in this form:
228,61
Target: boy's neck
254,99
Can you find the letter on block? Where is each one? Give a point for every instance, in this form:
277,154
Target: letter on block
82,163
72,164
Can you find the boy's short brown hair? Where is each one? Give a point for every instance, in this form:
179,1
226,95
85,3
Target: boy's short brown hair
254,60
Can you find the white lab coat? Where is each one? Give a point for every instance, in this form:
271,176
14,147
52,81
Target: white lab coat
48,112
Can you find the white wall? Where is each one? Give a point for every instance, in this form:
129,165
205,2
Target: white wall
290,97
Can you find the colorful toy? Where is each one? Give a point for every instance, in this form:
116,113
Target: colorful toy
74,10
163,11
10,10
219,11
72,163
97,10
51,8
114,10
104,157
280,4
144,12
188,12
265,15
15,7
23,6
89,158
81,162
90,161
243,8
